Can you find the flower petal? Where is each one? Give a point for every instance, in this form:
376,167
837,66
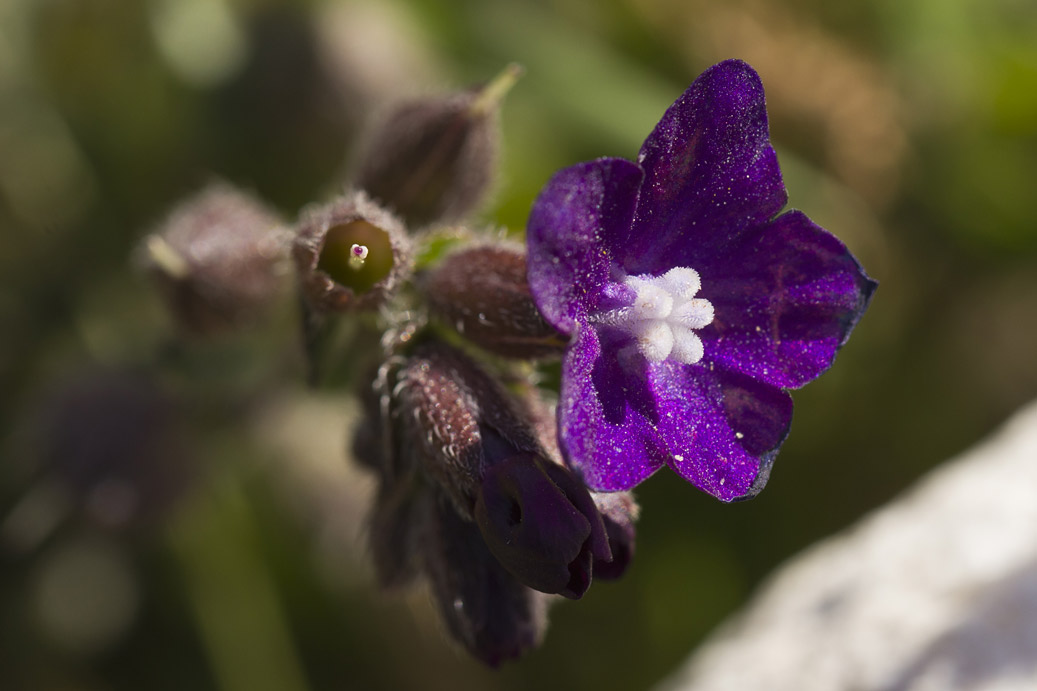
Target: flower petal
786,299
571,227
723,428
606,415
710,173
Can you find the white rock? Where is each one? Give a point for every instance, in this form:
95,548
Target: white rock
937,590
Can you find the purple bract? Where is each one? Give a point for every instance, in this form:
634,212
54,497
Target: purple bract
691,305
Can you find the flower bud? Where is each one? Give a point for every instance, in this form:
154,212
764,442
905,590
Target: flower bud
469,500
393,524
433,159
485,608
370,444
394,531
542,524
217,259
458,420
350,254
483,293
618,512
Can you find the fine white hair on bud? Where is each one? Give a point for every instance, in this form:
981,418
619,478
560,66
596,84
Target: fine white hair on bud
664,315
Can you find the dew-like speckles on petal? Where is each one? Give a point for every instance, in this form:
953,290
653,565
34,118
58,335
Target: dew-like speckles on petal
690,299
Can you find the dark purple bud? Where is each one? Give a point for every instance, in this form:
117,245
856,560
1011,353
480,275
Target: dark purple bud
372,446
217,259
350,254
438,421
433,159
457,420
483,293
485,608
395,531
542,524
368,444
392,524
619,512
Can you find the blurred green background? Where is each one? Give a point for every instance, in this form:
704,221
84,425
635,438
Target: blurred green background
232,559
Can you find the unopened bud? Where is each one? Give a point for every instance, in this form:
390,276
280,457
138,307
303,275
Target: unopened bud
370,444
619,512
433,159
485,608
542,524
217,259
458,420
393,526
395,531
350,254
483,293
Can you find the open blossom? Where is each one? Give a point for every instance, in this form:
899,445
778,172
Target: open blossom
691,305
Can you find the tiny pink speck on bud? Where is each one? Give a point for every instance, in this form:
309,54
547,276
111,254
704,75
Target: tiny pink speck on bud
357,255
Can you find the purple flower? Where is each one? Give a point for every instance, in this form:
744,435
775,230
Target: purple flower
691,305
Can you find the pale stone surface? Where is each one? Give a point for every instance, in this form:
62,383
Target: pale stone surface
937,590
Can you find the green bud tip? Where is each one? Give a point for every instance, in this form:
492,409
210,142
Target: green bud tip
164,257
491,94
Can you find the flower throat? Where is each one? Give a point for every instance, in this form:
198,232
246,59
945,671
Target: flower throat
664,315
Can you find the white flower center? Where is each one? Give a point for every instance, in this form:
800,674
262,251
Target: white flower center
664,315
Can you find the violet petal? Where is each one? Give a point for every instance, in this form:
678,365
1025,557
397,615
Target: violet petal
710,173
607,416
723,428
577,216
786,299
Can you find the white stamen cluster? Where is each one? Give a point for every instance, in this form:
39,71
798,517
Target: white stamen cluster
664,315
